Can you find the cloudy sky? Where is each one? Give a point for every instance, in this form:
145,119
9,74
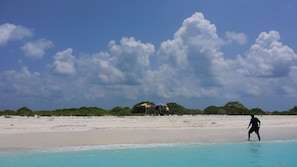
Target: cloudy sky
107,53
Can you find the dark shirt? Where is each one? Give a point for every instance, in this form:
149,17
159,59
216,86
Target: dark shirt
254,122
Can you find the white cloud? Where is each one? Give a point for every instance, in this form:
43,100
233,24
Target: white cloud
26,88
267,57
131,57
191,65
290,87
64,63
194,66
125,63
10,32
194,56
293,74
99,68
196,40
240,38
267,68
117,72
37,48
20,83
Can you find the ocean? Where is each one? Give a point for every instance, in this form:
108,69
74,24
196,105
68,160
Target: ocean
246,154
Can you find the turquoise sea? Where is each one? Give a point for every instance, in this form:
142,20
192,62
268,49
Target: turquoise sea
247,154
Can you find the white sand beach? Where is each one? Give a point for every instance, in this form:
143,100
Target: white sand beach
32,132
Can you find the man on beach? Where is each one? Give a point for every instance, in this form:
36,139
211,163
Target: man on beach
255,122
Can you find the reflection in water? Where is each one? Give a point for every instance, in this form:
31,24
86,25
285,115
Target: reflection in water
255,153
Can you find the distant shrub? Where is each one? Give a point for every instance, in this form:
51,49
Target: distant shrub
25,111
211,110
147,108
119,111
8,112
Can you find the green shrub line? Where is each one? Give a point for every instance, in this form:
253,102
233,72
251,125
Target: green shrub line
230,108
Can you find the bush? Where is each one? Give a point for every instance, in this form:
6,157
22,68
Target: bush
8,112
257,111
176,109
43,113
211,110
25,111
118,111
235,108
193,112
293,111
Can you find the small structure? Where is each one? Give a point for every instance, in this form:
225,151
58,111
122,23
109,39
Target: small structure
159,108
145,106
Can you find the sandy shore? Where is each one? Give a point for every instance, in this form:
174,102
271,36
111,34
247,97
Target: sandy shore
23,132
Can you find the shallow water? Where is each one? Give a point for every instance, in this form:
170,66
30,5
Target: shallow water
248,154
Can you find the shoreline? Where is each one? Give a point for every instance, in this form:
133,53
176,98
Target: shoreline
51,132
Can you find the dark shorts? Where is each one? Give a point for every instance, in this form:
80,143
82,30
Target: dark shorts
254,129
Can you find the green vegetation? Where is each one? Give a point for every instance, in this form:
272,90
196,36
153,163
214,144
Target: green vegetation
147,108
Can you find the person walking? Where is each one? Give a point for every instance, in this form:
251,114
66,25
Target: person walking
255,122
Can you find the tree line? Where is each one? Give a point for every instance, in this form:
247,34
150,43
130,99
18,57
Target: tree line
230,108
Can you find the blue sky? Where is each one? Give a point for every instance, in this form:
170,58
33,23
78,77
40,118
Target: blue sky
107,53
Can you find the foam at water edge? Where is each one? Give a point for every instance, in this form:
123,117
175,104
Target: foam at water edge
106,147
121,146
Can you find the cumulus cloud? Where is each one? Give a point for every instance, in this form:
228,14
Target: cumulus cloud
24,87
268,57
119,71
10,32
23,82
125,63
239,38
99,68
267,68
195,57
194,66
293,74
191,64
64,63
196,41
131,57
37,48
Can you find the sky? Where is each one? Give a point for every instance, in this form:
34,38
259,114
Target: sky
107,53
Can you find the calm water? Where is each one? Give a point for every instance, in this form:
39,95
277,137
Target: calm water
249,154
